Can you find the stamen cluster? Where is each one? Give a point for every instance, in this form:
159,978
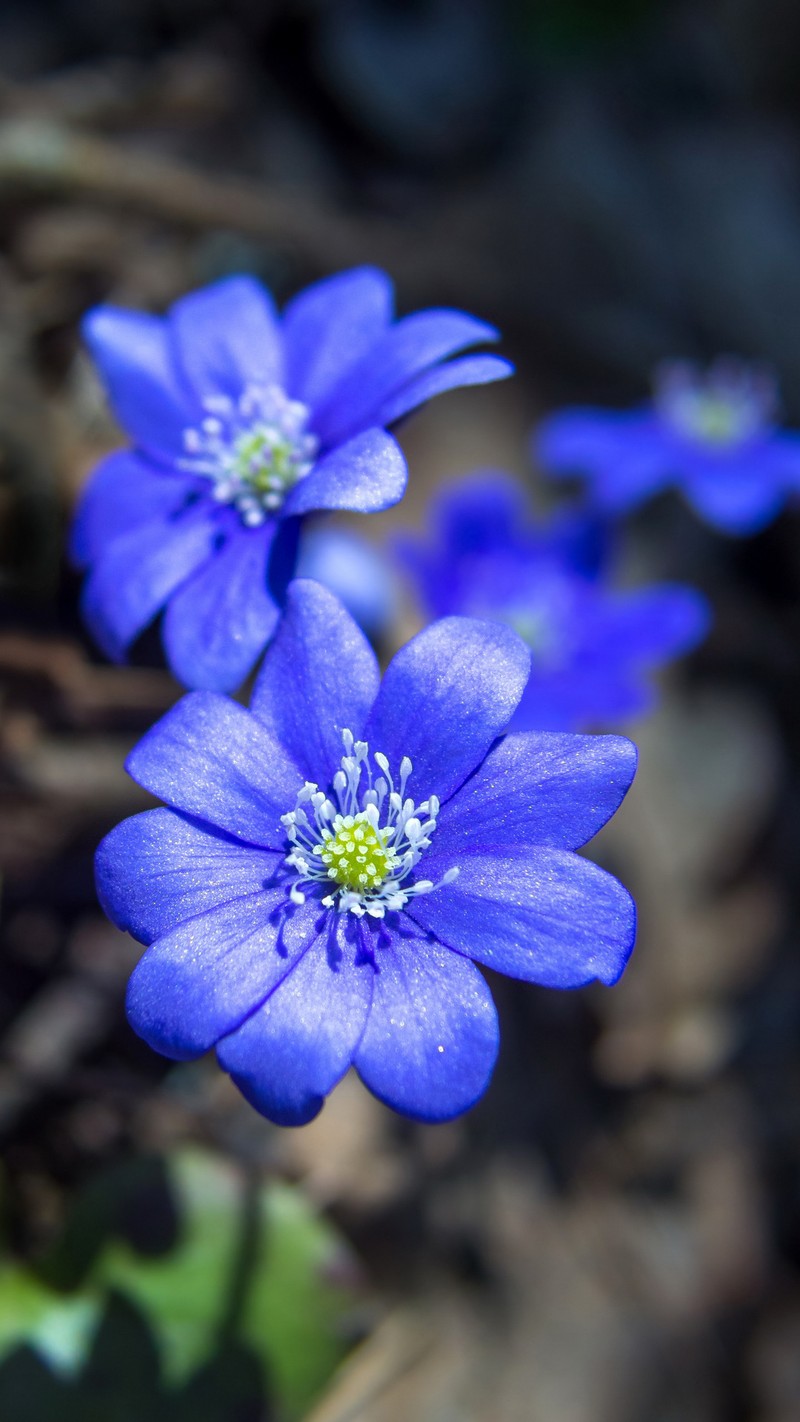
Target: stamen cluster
365,862
254,449
725,406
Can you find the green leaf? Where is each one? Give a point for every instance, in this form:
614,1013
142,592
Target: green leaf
252,1264
60,1327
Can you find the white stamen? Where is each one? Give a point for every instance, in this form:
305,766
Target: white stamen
253,450
720,408
368,858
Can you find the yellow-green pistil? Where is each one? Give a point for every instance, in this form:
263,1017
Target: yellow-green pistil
717,420
356,855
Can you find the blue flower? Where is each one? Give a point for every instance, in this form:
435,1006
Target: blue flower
332,859
592,646
243,422
711,434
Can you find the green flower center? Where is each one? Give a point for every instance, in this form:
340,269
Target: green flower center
252,450
720,408
717,421
355,854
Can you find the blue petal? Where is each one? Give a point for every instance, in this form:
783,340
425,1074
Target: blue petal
158,868
537,789
648,626
737,501
404,352
355,571
626,455
546,916
481,513
330,326
133,353
366,474
203,978
469,370
219,622
227,337
319,677
583,697
476,518
582,440
783,457
432,1036
641,470
210,758
138,572
290,1053
122,493
445,698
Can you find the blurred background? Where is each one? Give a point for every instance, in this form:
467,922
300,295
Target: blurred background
613,1233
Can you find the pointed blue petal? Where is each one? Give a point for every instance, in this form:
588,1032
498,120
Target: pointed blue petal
537,789
122,492
203,978
366,474
329,327
226,336
133,354
547,916
628,456
138,572
158,868
319,676
445,698
210,758
290,1053
217,625
432,1036
455,374
402,354
738,501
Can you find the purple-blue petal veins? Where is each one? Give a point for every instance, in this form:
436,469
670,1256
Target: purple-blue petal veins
333,858
247,421
592,647
711,433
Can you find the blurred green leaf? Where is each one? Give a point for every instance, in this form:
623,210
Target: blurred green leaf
294,1312
252,1271
59,1327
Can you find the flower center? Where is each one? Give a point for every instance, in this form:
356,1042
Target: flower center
355,853
253,450
361,844
721,408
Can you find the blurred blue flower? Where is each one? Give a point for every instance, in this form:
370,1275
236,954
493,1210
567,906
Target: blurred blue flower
592,646
356,571
712,434
305,913
242,423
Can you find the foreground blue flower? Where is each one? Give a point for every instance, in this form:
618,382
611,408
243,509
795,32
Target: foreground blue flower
593,646
711,434
332,859
243,422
